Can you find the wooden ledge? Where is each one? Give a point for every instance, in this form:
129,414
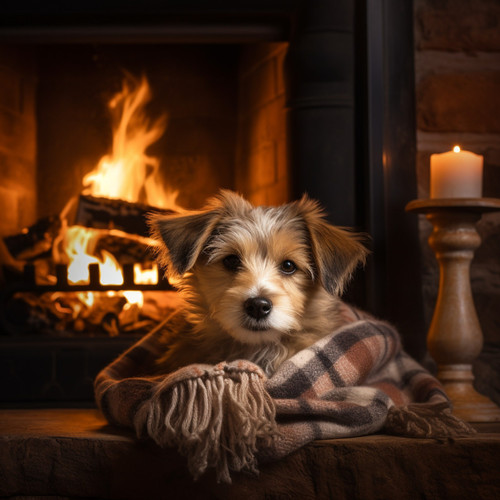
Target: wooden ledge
74,453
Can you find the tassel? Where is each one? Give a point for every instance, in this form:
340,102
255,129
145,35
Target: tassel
426,420
215,416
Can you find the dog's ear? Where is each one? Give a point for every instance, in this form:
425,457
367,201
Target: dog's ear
181,238
336,251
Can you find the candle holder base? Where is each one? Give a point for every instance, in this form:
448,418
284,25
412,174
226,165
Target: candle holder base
455,338
468,404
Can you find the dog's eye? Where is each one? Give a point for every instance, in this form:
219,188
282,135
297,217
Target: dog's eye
288,267
232,262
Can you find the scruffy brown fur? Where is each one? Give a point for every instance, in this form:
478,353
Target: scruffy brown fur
259,283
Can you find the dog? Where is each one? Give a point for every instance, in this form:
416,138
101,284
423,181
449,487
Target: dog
258,283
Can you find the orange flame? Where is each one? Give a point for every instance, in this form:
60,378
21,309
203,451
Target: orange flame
79,241
127,173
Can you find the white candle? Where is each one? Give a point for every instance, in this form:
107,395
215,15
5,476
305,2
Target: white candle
456,174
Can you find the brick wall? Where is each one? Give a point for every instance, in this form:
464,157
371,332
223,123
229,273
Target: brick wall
17,140
457,58
261,158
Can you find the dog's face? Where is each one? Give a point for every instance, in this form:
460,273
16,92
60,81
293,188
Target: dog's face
255,275
252,270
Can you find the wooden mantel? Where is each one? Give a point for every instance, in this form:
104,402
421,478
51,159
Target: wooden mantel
73,453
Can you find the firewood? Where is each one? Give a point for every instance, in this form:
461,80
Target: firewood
34,241
125,248
105,213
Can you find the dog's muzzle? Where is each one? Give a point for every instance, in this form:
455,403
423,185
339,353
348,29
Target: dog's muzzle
258,308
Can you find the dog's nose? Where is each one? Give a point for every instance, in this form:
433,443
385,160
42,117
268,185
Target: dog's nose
258,307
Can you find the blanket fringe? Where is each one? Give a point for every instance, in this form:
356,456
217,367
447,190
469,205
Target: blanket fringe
215,419
426,420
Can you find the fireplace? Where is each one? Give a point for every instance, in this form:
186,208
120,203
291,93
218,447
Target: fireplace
271,99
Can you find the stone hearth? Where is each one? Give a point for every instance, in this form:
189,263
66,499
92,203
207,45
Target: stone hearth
75,454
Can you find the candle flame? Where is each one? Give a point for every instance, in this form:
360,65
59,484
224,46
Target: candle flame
456,149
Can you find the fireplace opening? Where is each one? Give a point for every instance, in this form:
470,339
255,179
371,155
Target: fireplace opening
115,131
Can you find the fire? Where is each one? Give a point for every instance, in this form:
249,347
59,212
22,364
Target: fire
127,173
145,276
78,242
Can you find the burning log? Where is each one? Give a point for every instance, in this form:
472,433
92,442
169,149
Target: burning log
105,213
34,241
126,248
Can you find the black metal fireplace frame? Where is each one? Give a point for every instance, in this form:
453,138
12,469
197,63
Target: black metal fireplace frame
350,100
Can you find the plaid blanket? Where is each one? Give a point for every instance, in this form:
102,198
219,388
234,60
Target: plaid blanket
357,380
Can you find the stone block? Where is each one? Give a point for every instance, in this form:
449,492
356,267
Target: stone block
277,117
17,172
19,58
485,278
17,193
280,70
254,130
252,55
258,87
204,95
10,90
262,167
282,162
256,172
17,134
491,173
454,25
265,124
9,208
459,102
423,174
198,176
275,194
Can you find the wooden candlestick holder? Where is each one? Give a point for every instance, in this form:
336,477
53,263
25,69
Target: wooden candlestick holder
455,338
